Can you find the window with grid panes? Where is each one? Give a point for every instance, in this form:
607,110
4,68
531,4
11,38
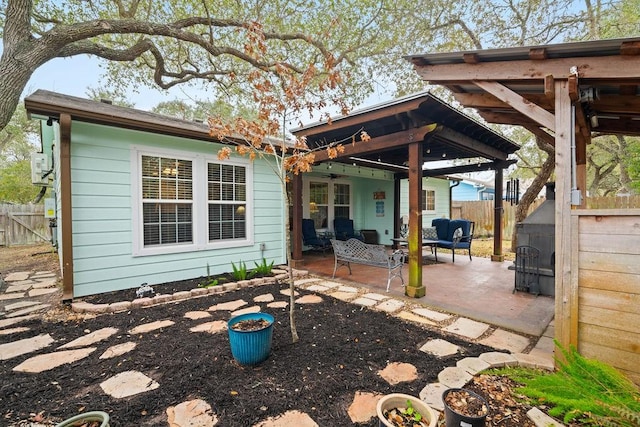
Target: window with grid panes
167,201
227,201
341,200
428,200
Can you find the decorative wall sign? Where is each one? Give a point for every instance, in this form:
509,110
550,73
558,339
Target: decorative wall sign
379,208
378,195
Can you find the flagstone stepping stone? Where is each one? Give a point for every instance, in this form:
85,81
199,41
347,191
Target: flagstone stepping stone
305,281
195,315
292,418
24,346
148,327
8,322
21,304
231,305
278,304
28,310
14,330
12,295
210,327
347,289
45,362
363,407
467,328
44,284
344,296
18,275
309,299
375,296
439,348
505,340
390,305
128,383
431,314
191,414
118,350
38,292
91,338
431,394
331,285
454,377
318,288
366,302
412,317
287,292
398,372
18,288
472,365
264,298
252,309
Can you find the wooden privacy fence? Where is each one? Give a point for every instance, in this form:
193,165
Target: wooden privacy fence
23,225
481,212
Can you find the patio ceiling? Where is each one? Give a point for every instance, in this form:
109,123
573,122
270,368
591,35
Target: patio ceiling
507,86
392,126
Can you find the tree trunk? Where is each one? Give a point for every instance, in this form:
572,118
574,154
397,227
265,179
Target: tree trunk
292,290
534,189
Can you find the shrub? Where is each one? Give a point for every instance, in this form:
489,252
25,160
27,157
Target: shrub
240,272
263,269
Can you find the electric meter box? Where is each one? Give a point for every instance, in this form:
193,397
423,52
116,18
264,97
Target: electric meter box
50,207
39,167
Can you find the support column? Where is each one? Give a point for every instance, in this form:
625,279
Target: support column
566,301
415,288
296,218
396,209
66,207
498,213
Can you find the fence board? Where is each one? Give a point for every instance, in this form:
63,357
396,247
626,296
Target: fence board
23,225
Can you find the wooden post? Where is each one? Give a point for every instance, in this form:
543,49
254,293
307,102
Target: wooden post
296,218
66,207
498,213
396,208
564,311
415,288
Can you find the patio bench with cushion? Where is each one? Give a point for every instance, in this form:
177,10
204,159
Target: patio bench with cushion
358,252
454,234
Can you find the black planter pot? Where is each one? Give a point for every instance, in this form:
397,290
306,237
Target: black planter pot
454,419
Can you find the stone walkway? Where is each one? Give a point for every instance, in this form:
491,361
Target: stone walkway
22,301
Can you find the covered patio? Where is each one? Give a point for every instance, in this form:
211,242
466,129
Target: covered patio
479,289
405,135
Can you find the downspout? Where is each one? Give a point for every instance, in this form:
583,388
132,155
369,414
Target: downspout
576,195
451,187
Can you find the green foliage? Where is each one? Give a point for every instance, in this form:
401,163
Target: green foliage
584,389
411,412
15,183
209,284
263,269
240,271
634,165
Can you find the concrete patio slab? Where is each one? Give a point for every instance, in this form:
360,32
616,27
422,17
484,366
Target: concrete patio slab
128,383
24,346
45,362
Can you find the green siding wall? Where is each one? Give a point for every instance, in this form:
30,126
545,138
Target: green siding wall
103,223
441,188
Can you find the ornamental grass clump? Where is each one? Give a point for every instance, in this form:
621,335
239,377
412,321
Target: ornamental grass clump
587,391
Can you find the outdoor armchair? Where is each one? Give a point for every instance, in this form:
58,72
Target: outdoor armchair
343,228
310,237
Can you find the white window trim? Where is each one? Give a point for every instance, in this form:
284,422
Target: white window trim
425,190
199,203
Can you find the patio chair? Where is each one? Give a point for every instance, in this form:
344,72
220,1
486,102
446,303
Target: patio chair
310,237
343,228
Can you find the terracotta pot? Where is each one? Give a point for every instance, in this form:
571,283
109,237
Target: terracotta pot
398,400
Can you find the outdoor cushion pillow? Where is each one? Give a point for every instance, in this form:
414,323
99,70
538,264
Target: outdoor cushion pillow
429,233
457,233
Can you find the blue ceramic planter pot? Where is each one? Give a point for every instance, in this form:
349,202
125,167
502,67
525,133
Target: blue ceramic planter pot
250,347
97,416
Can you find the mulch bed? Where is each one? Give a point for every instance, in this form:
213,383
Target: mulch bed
341,349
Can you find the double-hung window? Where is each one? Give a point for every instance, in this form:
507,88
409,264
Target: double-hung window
428,200
188,202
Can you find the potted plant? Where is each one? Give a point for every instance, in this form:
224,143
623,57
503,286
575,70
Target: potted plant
93,416
464,408
403,410
250,337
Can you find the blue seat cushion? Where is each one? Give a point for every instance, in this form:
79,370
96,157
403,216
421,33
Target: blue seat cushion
442,227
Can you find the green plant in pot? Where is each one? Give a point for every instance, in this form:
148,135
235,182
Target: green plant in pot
464,408
403,410
250,337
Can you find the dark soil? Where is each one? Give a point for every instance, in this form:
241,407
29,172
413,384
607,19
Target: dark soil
341,349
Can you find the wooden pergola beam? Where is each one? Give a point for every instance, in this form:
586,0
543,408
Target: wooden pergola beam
470,144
